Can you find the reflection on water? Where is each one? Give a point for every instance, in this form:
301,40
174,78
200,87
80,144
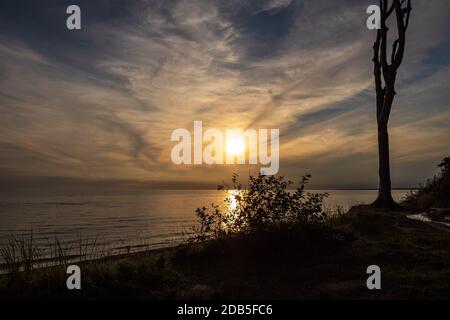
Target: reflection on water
153,218
232,199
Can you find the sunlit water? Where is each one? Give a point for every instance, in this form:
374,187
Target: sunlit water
127,221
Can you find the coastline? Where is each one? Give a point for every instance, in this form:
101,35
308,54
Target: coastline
413,255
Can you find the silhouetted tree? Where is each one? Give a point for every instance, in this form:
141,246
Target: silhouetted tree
385,74
445,168
435,192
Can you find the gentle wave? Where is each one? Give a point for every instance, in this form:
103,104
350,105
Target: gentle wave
157,217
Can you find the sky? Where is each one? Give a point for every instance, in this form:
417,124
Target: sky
100,103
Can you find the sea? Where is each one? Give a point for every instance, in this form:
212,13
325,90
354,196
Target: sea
122,222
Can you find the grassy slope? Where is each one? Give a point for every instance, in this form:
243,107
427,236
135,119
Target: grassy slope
304,263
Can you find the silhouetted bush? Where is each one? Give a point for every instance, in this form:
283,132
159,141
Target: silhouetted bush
435,192
265,203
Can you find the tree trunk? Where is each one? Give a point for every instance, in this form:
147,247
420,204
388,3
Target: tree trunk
384,198
385,74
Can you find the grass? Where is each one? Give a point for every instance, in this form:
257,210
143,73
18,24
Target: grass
22,254
435,193
297,262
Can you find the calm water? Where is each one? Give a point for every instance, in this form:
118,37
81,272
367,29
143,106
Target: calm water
153,218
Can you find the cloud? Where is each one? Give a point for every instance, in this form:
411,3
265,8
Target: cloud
102,102
274,5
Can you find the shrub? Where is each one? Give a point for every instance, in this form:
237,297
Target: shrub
265,203
435,192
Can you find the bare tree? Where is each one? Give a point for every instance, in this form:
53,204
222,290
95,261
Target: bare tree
385,74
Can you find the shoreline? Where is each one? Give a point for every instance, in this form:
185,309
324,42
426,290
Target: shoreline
72,259
39,264
307,263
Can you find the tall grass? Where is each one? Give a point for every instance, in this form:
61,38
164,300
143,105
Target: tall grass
22,253
19,253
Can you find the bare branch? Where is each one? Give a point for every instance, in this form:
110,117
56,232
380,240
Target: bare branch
377,73
408,13
394,50
402,23
384,31
388,13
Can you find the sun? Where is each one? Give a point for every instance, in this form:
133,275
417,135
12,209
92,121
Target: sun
235,146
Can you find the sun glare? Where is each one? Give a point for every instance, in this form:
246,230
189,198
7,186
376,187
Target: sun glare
232,199
235,146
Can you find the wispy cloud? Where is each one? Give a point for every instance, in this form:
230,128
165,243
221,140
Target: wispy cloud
102,102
